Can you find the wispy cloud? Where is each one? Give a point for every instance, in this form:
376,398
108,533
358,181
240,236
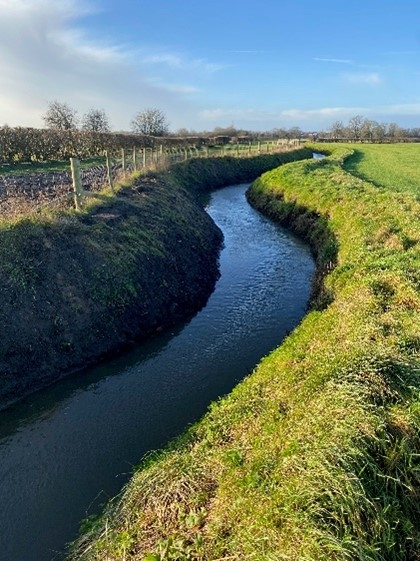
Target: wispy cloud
46,53
319,113
401,109
334,60
248,51
229,114
366,78
173,87
178,62
316,118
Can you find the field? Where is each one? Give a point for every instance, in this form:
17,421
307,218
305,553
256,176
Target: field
396,166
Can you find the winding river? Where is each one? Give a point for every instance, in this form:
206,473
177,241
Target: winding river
64,451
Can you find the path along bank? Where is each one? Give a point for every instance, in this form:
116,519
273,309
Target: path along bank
76,287
315,454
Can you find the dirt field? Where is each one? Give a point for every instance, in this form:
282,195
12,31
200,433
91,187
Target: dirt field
29,192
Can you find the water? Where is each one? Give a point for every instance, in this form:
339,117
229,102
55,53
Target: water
67,449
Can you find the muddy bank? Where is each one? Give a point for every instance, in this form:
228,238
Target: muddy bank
78,287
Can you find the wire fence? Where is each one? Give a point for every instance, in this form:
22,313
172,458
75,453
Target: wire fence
23,193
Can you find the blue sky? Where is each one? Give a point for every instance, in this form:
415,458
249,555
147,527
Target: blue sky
258,65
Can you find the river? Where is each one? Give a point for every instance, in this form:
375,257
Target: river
65,450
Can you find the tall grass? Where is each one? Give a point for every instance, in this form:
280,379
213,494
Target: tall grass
316,454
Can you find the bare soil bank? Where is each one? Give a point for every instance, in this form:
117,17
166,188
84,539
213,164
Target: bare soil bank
79,287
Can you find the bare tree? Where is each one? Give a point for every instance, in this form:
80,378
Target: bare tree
367,129
354,126
60,116
150,122
337,130
96,120
379,131
394,131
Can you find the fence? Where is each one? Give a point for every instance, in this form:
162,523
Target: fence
30,191
160,157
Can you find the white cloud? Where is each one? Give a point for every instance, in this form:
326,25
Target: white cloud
364,78
46,54
225,114
178,62
323,112
248,52
334,60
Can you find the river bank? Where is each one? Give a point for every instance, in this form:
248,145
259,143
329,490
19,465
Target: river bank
77,287
315,454
100,422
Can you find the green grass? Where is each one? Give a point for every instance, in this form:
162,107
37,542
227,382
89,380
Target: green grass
391,166
315,456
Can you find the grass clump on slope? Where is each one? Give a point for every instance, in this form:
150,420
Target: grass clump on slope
314,455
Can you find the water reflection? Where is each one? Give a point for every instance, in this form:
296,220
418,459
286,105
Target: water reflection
65,450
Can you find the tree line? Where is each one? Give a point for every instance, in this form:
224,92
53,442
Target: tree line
360,129
61,116
66,135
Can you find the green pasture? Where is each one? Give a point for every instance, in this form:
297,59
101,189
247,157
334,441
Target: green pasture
394,166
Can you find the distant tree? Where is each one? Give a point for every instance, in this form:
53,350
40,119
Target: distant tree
96,120
150,122
183,132
337,130
225,131
367,129
60,116
394,131
354,126
379,131
279,133
295,132
414,133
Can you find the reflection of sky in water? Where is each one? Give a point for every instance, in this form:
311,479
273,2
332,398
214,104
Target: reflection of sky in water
65,446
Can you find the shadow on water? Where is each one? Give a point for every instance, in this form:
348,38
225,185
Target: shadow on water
67,449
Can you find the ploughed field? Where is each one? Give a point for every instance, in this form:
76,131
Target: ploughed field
31,191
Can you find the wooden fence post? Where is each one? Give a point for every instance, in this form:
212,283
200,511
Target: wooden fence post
134,159
144,156
123,163
77,182
109,171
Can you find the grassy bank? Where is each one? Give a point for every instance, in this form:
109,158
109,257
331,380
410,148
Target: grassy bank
315,455
76,287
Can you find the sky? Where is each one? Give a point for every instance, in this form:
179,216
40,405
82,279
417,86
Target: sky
252,64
